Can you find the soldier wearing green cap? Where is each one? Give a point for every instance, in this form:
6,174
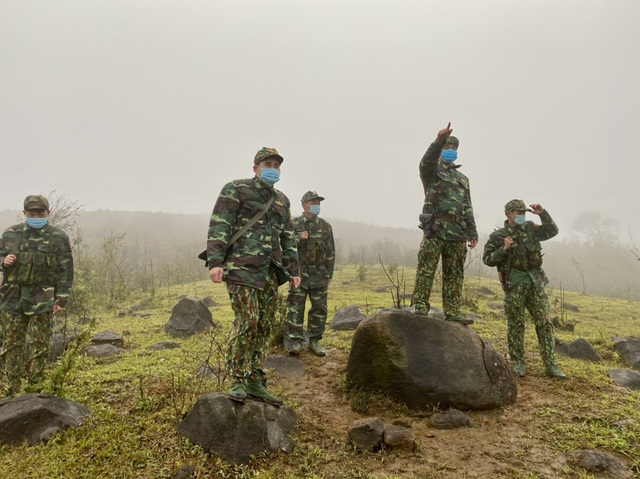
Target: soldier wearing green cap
316,253
515,250
448,224
252,247
37,266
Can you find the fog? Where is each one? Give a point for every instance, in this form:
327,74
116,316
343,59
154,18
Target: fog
154,105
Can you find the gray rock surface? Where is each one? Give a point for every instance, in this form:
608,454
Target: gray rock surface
425,362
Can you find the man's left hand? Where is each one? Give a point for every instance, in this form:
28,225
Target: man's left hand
537,208
57,309
473,243
295,281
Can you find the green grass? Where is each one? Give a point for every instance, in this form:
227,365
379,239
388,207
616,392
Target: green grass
139,398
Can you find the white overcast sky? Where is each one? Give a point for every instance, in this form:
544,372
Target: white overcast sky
155,105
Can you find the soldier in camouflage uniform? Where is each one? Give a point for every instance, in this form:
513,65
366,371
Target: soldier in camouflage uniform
317,254
37,267
263,257
515,249
448,224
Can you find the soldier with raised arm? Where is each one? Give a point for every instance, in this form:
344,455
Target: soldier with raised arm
516,251
448,224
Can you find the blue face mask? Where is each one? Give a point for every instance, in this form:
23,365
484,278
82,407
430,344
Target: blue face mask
270,176
314,210
449,156
519,219
37,223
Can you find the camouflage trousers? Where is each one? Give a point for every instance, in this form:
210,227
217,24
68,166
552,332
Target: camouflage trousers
254,312
317,316
521,297
453,255
16,328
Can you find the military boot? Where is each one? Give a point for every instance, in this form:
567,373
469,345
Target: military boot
316,348
296,348
555,372
520,370
257,391
238,391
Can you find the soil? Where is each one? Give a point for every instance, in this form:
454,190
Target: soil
510,442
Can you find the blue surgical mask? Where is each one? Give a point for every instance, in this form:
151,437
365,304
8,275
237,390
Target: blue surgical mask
519,219
270,176
37,223
314,210
449,156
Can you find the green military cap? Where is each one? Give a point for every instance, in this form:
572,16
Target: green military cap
311,195
265,153
452,140
516,205
36,201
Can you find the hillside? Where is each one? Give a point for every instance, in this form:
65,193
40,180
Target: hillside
139,398
605,269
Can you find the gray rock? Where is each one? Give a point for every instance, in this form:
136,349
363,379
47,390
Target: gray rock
36,418
208,301
625,378
286,367
184,472
496,305
107,337
366,434
399,438
484,290
579,349
59,344
629,350
236,431
451,419
102,350
598,461
347,318
164,345
425,362
188,317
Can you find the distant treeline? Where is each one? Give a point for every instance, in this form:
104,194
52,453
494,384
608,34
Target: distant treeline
160,249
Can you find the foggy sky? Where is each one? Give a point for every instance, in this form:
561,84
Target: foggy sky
154,105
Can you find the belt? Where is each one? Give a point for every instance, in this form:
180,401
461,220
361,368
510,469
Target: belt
448,217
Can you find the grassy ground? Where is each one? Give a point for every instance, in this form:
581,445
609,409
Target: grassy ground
138,399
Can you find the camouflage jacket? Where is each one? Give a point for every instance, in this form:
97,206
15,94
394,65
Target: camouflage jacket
447,196
47,247
269,242
317,253
526,252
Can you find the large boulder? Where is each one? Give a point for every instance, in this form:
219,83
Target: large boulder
36,418
188,316
236,431
425,362
629,350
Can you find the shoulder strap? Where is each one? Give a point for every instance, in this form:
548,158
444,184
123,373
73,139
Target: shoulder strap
243,230
251,222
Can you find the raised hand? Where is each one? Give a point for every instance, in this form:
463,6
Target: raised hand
444,133
537,208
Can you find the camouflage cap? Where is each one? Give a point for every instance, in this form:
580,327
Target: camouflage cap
265,153
516,205
452,140
36,201
311,195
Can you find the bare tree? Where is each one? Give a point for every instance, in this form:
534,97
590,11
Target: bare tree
64,213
